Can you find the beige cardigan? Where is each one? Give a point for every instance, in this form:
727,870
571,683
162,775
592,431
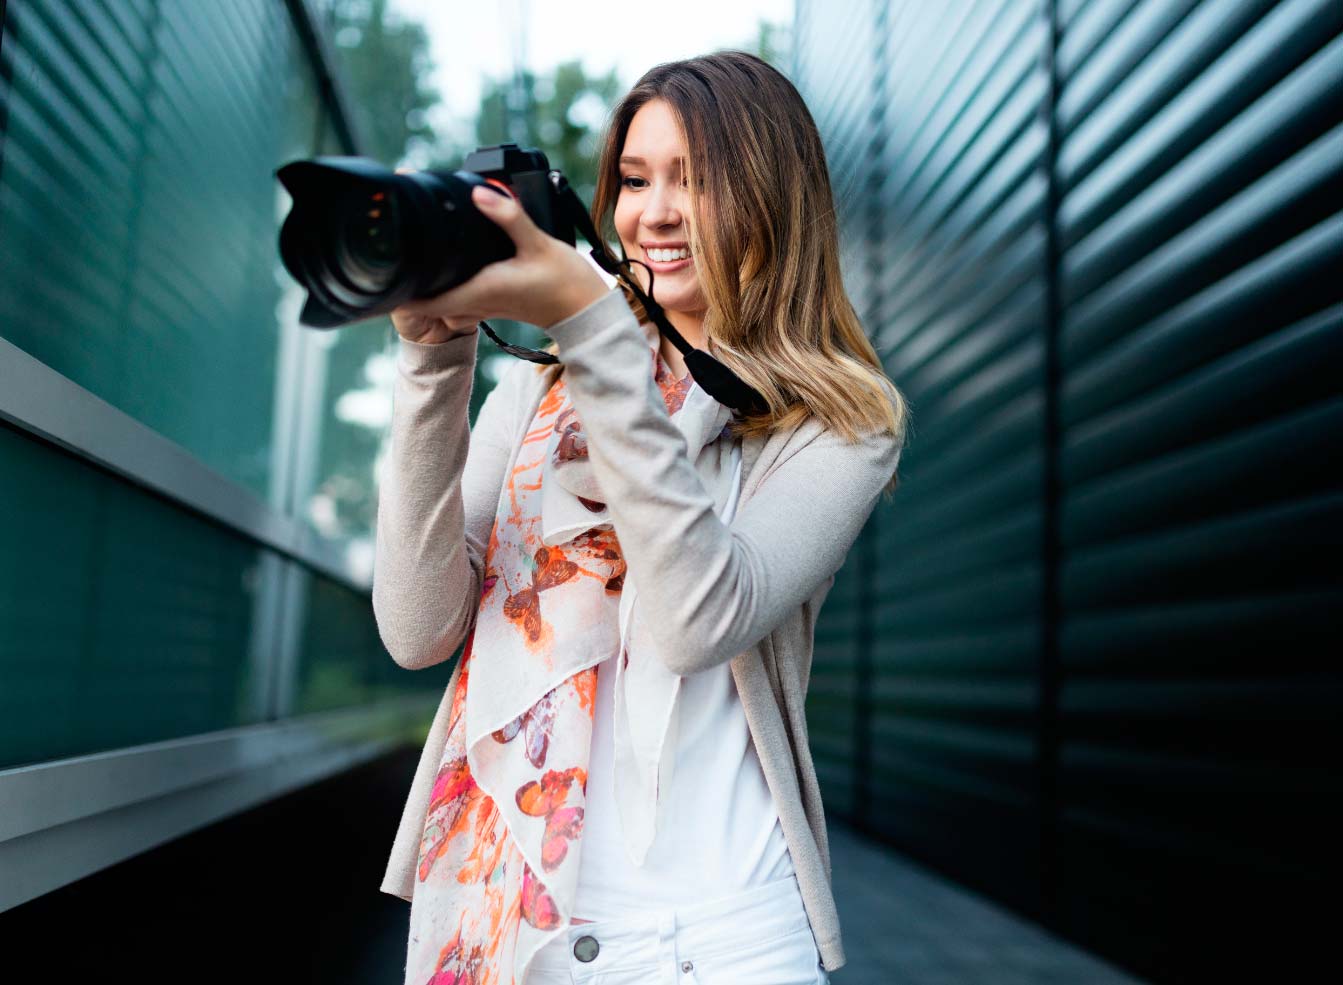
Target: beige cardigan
748,592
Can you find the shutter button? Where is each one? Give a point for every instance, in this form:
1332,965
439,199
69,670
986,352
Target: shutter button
586,948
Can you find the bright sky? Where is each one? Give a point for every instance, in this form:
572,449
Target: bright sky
474,40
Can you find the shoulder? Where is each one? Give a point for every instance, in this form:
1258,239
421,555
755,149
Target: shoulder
865,461
822,457
823,446
868,449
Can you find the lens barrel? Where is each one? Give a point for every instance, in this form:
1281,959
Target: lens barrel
363,239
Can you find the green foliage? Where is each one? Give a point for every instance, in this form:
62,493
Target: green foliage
385,63
561,112
773,43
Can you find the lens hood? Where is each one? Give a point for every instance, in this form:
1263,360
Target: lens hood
363,239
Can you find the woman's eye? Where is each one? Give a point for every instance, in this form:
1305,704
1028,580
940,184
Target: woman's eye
625,182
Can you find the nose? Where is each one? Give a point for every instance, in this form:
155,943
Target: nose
662,208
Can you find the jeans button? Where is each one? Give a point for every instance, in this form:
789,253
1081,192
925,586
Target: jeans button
686,966
586,948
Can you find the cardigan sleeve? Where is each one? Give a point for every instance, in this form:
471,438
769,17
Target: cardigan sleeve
437,498
708,590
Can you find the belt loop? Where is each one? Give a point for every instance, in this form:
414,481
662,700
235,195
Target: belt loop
667,945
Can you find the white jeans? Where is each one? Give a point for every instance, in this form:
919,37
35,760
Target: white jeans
757,937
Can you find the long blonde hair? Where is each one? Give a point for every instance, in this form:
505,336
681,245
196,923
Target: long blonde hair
768,260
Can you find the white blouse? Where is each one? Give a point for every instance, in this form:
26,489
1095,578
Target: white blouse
718,832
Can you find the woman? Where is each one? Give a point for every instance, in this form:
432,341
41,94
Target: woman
617,785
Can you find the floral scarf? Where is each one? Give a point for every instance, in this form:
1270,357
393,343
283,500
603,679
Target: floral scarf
497,870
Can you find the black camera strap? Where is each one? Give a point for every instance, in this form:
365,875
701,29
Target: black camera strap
716,379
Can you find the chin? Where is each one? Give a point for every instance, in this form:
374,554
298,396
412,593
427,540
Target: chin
687,303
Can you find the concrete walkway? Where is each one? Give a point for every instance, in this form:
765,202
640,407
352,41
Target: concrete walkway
930,931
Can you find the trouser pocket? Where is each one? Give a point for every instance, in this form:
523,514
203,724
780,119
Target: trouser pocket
792,959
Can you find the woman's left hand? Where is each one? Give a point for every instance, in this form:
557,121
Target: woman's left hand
546,281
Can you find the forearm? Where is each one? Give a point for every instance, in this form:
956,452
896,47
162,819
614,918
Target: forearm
709,590
424,578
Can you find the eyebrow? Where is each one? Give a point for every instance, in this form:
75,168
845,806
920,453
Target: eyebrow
630,159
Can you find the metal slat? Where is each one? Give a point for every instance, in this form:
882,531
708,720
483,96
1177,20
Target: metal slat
1276,45
1288,284
1191,47
1176,468
1123,51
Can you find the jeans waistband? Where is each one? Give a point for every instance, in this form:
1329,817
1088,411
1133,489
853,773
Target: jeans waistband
773,909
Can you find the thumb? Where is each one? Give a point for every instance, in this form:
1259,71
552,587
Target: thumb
507,213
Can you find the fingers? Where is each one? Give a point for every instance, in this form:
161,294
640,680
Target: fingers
507,213
496,289
425,311
421,311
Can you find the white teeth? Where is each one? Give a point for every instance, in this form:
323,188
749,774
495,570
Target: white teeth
666,256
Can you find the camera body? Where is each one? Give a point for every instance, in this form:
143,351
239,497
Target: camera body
363,239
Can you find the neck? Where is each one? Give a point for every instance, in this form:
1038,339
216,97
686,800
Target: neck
691,326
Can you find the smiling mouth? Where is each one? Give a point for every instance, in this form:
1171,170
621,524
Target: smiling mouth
667,262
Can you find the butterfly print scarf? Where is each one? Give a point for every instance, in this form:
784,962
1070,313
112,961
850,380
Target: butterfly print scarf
497,868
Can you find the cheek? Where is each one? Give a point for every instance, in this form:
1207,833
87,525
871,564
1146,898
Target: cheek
626,220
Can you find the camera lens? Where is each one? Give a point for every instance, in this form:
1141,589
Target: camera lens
367,241
363,239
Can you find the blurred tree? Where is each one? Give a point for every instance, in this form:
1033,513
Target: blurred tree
773,43
385,61
563,113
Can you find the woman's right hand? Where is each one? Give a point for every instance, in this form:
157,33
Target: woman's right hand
428,330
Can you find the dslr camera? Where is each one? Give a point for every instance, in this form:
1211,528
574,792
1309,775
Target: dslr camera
362,239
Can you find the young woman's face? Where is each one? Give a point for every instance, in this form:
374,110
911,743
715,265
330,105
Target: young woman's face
651,211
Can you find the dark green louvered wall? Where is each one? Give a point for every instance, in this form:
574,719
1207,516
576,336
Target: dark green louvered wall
1086,661
163,573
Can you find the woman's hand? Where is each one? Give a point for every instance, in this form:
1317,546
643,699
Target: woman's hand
427,329
544,282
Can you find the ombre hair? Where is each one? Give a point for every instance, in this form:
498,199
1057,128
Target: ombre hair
763,230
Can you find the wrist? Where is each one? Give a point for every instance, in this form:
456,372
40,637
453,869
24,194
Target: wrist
579,293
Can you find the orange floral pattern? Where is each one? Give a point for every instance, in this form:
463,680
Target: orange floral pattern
495,879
